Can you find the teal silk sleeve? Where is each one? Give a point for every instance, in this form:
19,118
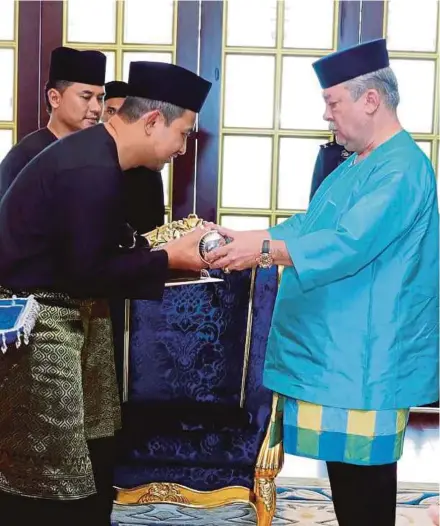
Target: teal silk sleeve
289,227
385,210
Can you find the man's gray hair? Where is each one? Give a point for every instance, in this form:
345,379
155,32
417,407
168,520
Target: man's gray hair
134,107
383,80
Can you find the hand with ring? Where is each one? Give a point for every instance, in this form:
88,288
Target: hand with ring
241,253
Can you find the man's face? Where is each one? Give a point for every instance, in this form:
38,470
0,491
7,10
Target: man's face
346,117
111,106
167,142
79,106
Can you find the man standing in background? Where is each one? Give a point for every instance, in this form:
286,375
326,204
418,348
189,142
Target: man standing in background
116,92
330,156
144,197
74,98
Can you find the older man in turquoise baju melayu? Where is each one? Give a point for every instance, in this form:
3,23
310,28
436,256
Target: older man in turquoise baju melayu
355,337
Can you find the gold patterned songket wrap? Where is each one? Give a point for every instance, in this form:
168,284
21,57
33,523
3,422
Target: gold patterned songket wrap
59,392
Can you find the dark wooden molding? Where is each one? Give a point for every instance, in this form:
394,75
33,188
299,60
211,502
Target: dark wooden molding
187,53
349,23
372,20
51,37
208,140
28,69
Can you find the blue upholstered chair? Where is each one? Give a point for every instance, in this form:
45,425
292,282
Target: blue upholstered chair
196,415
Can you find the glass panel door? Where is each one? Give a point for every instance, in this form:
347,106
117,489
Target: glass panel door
8,67
272,109
412,32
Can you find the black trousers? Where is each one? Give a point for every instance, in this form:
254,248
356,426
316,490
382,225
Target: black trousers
90,511
364,495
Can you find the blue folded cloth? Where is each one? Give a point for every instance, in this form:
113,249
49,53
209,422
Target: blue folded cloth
17,320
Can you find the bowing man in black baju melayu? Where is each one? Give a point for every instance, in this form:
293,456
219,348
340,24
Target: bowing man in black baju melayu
144,196
74,96
74,99
60,225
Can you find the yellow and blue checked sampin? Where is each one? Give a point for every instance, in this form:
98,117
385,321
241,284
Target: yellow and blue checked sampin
343,435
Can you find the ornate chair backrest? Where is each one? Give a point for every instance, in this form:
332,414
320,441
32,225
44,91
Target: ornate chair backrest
204,343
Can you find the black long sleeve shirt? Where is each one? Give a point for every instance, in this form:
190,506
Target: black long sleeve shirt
144,197
21,154
61,224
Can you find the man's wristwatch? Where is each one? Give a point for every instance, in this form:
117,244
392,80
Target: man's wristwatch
265,259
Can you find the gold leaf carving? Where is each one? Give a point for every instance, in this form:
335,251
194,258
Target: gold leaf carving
163,492
266,490
173,230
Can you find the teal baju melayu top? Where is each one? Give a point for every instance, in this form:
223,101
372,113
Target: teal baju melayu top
356,322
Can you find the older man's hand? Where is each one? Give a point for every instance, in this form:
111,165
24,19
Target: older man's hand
241,253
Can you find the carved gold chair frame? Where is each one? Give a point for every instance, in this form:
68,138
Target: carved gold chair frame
270,459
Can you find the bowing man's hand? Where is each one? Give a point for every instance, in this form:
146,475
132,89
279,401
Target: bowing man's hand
183,253
241,253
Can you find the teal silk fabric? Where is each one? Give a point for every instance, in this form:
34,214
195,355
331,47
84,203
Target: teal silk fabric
355,323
